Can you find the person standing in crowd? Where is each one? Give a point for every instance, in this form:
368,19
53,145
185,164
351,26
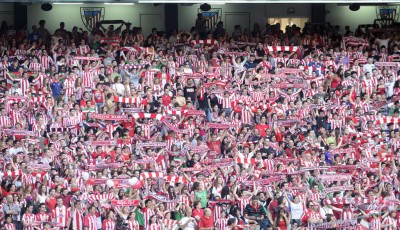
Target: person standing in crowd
12,209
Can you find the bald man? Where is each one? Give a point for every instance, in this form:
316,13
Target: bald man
207,221
188,222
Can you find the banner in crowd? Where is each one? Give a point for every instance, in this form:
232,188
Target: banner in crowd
125,203
218,126
173,127
337,177
108,117
87,58
39,167
18,132
287,122
100,143
337,189
286,86
94,167
335,224
290,71
150,144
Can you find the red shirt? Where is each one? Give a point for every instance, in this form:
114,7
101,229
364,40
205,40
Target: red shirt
262,128
198,212
101,154
215,146
98,96
166,100
83,102
51,203
206,222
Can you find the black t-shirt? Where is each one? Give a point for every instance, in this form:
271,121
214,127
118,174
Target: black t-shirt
203,103
260,52
12,68
321,121
254,211
190,91
101,78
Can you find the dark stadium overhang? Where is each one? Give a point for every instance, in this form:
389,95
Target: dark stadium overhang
371,2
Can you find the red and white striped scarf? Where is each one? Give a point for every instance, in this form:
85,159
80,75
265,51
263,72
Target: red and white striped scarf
148,115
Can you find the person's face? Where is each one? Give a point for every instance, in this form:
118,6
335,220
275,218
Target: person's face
262,197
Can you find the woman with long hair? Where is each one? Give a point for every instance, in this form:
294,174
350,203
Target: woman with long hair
132,222
154,223
109,222
218,186
281,219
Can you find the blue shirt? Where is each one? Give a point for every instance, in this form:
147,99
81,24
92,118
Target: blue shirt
250,65
345,60
316,66
328,157
56,88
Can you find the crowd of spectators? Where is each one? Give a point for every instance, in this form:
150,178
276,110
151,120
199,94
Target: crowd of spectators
112,129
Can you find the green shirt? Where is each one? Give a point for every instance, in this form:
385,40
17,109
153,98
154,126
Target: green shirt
391,111
113,76
331,140
202,197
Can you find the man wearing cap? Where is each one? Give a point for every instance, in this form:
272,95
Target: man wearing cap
255,214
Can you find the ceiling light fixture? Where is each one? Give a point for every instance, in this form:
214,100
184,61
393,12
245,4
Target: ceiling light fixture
119,4
68,3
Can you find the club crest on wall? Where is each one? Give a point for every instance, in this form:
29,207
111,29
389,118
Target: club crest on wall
92,15
212,16
387,15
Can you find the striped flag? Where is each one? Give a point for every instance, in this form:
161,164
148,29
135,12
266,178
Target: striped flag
127,100
146,175
176,179
283,49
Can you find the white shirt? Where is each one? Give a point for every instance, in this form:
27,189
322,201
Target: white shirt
324,211
190,226
368,68
119,88
15,90
383,42
389,88
296,210
14,151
